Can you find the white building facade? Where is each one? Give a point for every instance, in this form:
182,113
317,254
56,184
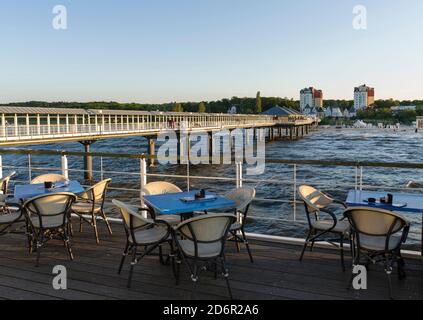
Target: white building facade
311,97
364,97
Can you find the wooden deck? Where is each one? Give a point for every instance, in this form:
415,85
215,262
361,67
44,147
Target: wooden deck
276,274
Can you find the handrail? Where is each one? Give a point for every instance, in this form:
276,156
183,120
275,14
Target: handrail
401,165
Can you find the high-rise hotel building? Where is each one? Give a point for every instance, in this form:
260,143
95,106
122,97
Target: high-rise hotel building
311,97
364,97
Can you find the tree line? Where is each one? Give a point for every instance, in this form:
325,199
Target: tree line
245,105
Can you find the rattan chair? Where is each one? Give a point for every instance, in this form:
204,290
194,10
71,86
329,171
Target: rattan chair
162,187
378,236
9,219
316,205
4,189
90,205
51,177
243,198
48,217
201,242
141,232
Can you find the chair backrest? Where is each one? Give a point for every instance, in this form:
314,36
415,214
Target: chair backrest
50,207
242,197
4,183
97,192
50,177
130,216
160,187
209,228
314,200
133,220
375,222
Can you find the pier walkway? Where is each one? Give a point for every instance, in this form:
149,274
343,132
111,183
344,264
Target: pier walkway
28,126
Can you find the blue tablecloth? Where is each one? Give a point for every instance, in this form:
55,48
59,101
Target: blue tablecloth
171,203
25,192
413,202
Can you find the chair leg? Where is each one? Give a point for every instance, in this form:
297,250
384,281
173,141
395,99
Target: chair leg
388,270
341,243
247,246
401,268
70,227
94,222
162,262
225,274
177,271
80,224
305,246
173,258
122,260
30,237
68,246
194,278
238,248
352,248
37,261
107,222
133,263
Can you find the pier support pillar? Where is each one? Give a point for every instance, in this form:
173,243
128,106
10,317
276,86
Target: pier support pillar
88,160
151,152
210,145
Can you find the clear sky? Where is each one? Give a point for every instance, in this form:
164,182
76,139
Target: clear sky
191,50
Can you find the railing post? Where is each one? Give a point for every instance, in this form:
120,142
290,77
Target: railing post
1,167
295,192
143,181
65,170
101,169
239,177
29,168
361,179
356,178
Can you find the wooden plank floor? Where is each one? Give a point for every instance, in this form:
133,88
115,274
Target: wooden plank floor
276,274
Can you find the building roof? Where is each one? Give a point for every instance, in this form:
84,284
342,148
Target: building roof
281,111
10,110
34,110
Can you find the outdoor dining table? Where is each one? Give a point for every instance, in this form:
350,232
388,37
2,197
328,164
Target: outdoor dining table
28,191
174,204
402,202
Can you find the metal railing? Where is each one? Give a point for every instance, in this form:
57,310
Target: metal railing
143,175
29,132
19,132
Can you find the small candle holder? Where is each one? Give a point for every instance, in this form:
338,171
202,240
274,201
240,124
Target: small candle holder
48,185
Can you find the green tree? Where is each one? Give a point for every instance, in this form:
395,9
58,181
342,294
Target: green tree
201,107
258,109
177,107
